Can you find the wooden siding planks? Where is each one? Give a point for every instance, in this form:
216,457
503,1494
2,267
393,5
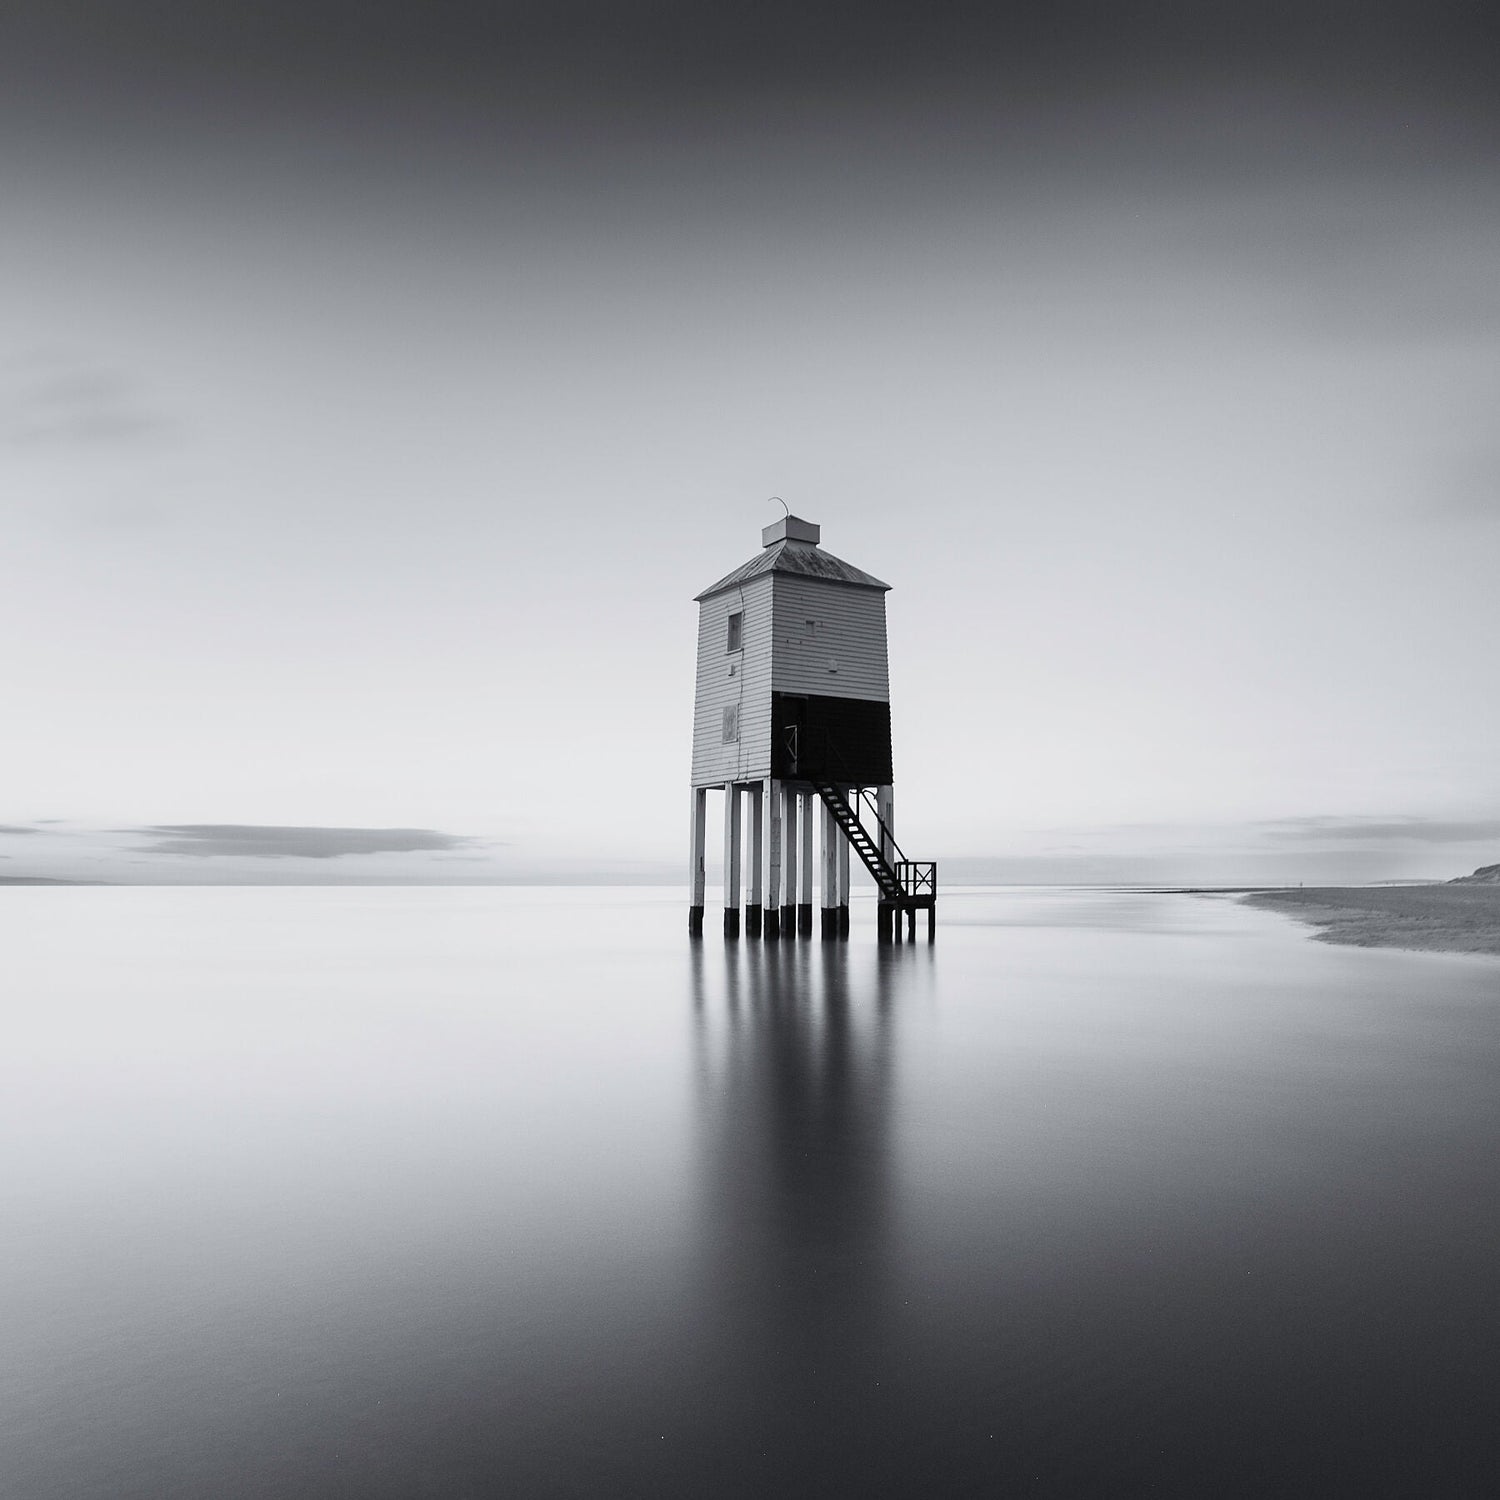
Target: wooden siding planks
848,629
845,739
748,689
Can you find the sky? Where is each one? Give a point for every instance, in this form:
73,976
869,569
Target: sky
379,383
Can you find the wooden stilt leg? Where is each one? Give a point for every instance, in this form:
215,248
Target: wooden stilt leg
731,861
831,835
843,877
756,794
698,834
805,895
789,805
772,897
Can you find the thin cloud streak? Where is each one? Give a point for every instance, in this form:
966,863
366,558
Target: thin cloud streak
260,841
1376,830
80,407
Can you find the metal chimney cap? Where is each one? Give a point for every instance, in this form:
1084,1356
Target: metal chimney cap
790,529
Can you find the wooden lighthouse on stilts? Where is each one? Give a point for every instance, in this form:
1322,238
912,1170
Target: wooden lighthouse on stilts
792,719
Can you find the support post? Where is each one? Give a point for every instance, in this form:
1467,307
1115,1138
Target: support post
885,811
810,803
843,863
731,861
885,914
756,792
831,834
697,838
789,802
773,860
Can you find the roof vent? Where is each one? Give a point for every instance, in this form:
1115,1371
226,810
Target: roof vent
790,529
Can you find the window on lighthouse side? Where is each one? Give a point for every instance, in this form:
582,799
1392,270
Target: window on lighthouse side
736,631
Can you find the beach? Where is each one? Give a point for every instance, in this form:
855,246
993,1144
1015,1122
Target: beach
1453,917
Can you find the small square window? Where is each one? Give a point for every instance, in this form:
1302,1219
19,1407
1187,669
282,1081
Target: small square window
732,725
737,630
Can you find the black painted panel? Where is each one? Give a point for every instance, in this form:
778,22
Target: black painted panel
845,739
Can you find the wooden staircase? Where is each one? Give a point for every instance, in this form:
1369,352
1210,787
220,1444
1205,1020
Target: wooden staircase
905,885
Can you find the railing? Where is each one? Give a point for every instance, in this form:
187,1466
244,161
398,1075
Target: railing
916,878
831,754
887,839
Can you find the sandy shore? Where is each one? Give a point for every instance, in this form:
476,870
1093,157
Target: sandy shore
1447,918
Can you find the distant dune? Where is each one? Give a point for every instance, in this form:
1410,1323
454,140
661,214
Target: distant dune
1458,916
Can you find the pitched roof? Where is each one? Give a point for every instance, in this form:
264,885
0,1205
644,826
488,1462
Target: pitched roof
797,557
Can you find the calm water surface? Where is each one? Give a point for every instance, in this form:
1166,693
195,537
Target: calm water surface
488,1192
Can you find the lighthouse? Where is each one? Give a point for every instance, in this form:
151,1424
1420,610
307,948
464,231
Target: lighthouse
792,721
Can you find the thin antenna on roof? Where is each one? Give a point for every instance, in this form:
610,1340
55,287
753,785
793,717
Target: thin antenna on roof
782,503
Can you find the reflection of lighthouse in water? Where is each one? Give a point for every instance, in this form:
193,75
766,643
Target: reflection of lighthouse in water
795,1063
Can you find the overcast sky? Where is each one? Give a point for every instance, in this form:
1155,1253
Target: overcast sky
379,383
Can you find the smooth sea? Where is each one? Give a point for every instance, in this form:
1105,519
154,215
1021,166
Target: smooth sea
398,1192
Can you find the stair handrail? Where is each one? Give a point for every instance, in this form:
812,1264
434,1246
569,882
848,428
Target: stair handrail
861,792
886,833
904,878
886,874
868,850
875,813
902,873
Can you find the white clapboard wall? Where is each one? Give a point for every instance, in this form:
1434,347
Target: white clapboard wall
829,639
738,680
